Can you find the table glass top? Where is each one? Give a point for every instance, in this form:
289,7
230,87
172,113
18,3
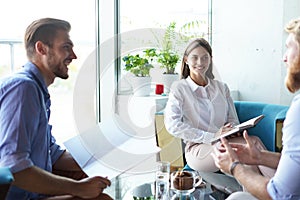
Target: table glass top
129,186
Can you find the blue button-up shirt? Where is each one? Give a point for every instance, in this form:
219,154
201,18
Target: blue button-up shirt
286,182
25,135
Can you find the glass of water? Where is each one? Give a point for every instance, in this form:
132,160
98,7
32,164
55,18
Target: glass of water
162,177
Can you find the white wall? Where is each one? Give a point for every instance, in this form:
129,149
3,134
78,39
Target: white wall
248,44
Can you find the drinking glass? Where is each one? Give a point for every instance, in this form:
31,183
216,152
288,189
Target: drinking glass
162,184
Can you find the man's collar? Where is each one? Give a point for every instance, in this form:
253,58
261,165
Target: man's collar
34,71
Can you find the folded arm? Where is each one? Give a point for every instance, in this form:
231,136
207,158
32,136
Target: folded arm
66,166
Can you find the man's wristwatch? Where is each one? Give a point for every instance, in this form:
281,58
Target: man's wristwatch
233,165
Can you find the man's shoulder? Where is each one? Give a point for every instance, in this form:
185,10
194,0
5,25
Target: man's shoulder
17,80
295,106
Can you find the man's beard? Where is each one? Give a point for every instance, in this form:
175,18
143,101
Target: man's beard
56,67
292,79
60,75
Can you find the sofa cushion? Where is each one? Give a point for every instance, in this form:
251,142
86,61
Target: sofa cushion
266,129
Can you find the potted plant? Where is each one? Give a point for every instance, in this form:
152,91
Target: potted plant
168,61
140,66
168,57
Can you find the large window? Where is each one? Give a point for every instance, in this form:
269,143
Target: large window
135,14
130,27
143,25
16,15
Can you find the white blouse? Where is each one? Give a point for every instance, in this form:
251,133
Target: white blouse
195,113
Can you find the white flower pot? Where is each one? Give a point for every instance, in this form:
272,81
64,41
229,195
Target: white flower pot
141,86
167,80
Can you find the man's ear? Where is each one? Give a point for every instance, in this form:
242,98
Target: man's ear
40,48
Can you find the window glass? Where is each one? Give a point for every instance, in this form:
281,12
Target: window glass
143,24
156,13
18,15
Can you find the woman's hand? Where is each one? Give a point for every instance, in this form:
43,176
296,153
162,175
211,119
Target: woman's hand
227,127
224,129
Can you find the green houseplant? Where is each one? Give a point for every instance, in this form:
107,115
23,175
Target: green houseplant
168,61
168,57
140,65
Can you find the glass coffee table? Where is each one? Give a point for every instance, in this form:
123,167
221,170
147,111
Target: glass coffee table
141,187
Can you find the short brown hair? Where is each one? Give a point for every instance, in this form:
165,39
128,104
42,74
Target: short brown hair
292,80
294,27
43,30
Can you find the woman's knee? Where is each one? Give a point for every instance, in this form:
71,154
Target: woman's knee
257,141
207,164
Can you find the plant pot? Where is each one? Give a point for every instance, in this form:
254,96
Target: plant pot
167,80
141,86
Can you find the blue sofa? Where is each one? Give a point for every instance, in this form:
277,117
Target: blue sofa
269,128
6,178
